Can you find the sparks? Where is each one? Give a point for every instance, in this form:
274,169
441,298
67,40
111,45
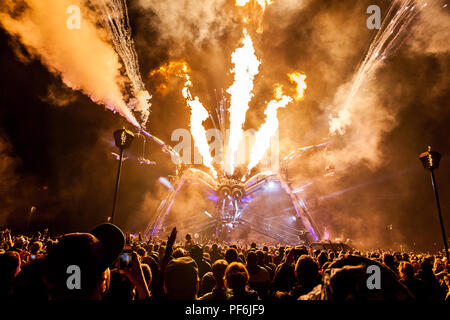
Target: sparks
387,40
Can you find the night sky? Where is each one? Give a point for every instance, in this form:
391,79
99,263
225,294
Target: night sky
58,158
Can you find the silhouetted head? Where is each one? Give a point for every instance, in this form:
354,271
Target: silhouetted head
181,279
236,277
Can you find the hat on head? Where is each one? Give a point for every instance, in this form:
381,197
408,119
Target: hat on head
112,240
91,252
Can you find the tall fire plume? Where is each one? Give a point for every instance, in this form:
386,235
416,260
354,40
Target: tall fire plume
198,115
246,68
315,38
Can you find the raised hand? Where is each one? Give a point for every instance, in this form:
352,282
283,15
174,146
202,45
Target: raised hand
136,277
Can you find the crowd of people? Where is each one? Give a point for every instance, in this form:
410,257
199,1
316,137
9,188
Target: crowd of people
106,264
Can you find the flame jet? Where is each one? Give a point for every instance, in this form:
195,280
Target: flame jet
245,69
198,115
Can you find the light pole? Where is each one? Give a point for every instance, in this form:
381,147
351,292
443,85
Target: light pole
123,139
430,160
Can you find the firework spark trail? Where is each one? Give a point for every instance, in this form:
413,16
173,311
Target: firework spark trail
387,40
119,28
245,69
67,53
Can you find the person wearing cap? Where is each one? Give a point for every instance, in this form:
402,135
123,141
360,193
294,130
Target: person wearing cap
88,256
181,279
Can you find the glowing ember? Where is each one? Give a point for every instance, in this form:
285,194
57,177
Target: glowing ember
246,66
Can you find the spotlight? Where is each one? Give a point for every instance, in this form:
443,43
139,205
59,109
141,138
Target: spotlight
271,185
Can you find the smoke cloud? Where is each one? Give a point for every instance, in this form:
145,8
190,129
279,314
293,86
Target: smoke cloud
59,95
82,58
431,32
195,22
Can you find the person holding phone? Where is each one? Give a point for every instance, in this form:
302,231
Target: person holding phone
35,250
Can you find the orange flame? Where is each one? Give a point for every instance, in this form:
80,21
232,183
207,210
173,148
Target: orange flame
257,14
246,66
262,3
165,72
267,130
198,115
299,79
270,126
278,91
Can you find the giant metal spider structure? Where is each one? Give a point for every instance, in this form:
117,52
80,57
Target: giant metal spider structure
231,196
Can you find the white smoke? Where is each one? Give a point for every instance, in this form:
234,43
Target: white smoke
187,21
82,58
431,34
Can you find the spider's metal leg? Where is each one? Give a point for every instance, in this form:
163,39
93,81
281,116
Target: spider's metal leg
302,212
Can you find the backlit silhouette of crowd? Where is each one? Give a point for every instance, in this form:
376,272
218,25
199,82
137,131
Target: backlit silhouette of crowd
105,264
